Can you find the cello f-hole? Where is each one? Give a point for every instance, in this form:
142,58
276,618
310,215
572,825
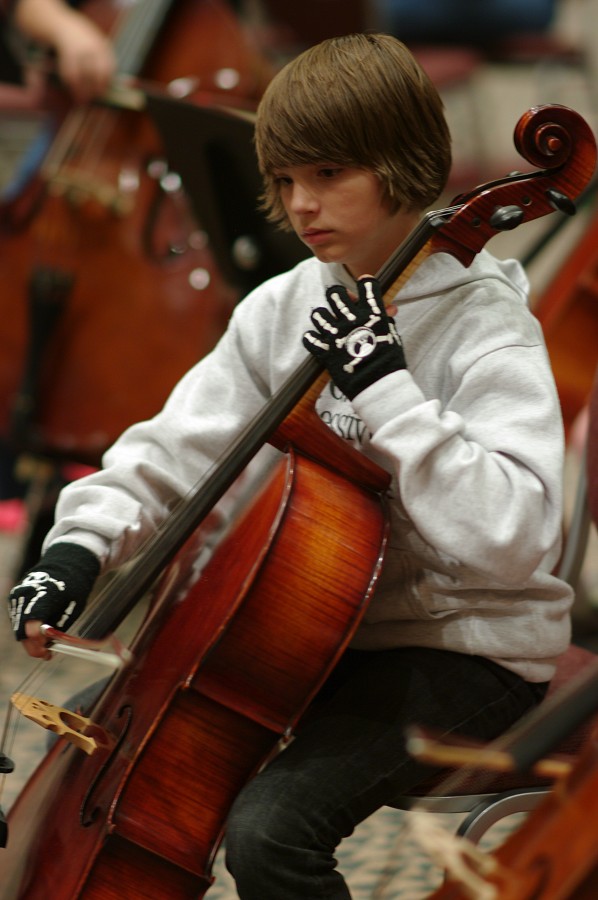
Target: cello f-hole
89,813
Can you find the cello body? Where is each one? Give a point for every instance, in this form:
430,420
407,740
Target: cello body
110,288
180,732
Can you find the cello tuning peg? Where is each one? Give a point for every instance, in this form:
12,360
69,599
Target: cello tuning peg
561,202
505,218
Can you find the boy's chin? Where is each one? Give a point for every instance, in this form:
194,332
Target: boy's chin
326,256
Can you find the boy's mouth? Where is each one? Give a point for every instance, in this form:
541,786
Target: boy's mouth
314,235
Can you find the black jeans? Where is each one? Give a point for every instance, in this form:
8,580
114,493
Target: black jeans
349,759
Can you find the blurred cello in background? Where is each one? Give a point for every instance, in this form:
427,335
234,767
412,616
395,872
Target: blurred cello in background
568,312
110,288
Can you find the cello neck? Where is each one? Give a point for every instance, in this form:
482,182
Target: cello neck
136,35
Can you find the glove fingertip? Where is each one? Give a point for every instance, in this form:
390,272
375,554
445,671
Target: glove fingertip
338,298
312,342
370,291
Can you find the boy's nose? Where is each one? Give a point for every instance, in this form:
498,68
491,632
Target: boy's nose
302,200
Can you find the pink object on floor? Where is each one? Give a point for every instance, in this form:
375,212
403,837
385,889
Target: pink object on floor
13,516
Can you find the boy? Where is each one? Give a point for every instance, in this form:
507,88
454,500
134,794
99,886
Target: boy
467,620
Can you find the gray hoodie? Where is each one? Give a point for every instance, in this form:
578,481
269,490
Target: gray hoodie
471,434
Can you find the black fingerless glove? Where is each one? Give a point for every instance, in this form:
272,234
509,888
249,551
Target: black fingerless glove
356,340
56,590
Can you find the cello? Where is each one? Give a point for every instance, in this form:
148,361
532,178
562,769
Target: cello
241,680
566,310
110,286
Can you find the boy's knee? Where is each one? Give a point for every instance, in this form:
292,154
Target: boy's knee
259,825
250,838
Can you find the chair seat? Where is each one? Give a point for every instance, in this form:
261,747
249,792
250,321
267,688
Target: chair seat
489,795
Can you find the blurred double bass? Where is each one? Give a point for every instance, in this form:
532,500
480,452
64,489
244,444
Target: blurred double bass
109,287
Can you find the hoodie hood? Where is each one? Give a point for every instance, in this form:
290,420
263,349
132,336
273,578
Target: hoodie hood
441,273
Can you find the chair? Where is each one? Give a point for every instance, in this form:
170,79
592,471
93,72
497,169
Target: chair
489,797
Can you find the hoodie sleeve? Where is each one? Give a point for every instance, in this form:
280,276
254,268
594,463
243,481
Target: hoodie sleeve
157,462
479,475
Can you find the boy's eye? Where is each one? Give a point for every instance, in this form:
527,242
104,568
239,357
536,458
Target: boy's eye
330,171
282,179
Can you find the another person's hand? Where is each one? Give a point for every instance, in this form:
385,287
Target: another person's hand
85,57
86,62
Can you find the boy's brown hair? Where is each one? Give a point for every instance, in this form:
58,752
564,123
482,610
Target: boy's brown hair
363,101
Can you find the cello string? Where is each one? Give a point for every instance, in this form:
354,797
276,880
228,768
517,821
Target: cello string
38,675
134,32
529,742
138,28
86,129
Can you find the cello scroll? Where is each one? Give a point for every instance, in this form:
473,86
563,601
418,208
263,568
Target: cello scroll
551,136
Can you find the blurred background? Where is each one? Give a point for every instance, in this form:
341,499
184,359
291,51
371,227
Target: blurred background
129,232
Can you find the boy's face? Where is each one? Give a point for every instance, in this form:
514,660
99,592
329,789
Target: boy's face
340,214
